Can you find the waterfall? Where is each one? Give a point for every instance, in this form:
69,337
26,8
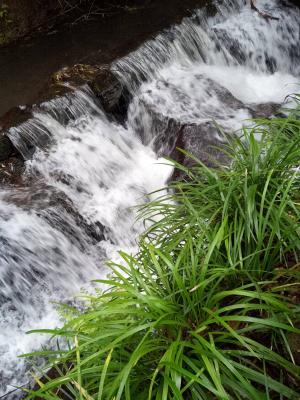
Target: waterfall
85,172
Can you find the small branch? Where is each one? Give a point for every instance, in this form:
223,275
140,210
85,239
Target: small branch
262,13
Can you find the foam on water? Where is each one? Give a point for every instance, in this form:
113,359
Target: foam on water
251,86
85,172
201,93
113,171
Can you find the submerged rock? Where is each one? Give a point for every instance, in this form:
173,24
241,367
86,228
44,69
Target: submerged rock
58,210
194,113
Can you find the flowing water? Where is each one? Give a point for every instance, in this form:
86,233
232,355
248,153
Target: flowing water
84,172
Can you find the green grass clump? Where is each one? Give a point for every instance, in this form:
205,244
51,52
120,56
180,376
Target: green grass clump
207,308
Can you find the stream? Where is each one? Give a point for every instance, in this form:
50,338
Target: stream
74,207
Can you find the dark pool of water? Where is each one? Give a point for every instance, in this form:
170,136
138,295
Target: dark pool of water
26,66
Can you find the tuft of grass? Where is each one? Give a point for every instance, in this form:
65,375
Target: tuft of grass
206,308
250,209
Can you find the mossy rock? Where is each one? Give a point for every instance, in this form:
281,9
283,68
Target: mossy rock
77,74
103,83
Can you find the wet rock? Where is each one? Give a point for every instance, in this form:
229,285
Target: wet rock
205,141
6,148
52,91
58,210
11,170
76,74
93,230
181,118
61,100
265,110
202,142
172,115
100,79
11,162
231,44
111,93
14,117
156,129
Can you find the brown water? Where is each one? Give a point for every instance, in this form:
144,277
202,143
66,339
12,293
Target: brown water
25,67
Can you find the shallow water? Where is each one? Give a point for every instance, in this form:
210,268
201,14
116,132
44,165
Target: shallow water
75,208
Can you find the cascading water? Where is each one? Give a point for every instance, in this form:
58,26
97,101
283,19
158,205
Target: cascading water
214,68
85,172
57,231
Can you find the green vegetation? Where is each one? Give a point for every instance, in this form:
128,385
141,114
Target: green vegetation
208,307
5,23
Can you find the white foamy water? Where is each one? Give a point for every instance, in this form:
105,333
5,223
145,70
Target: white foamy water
56,235
85,172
